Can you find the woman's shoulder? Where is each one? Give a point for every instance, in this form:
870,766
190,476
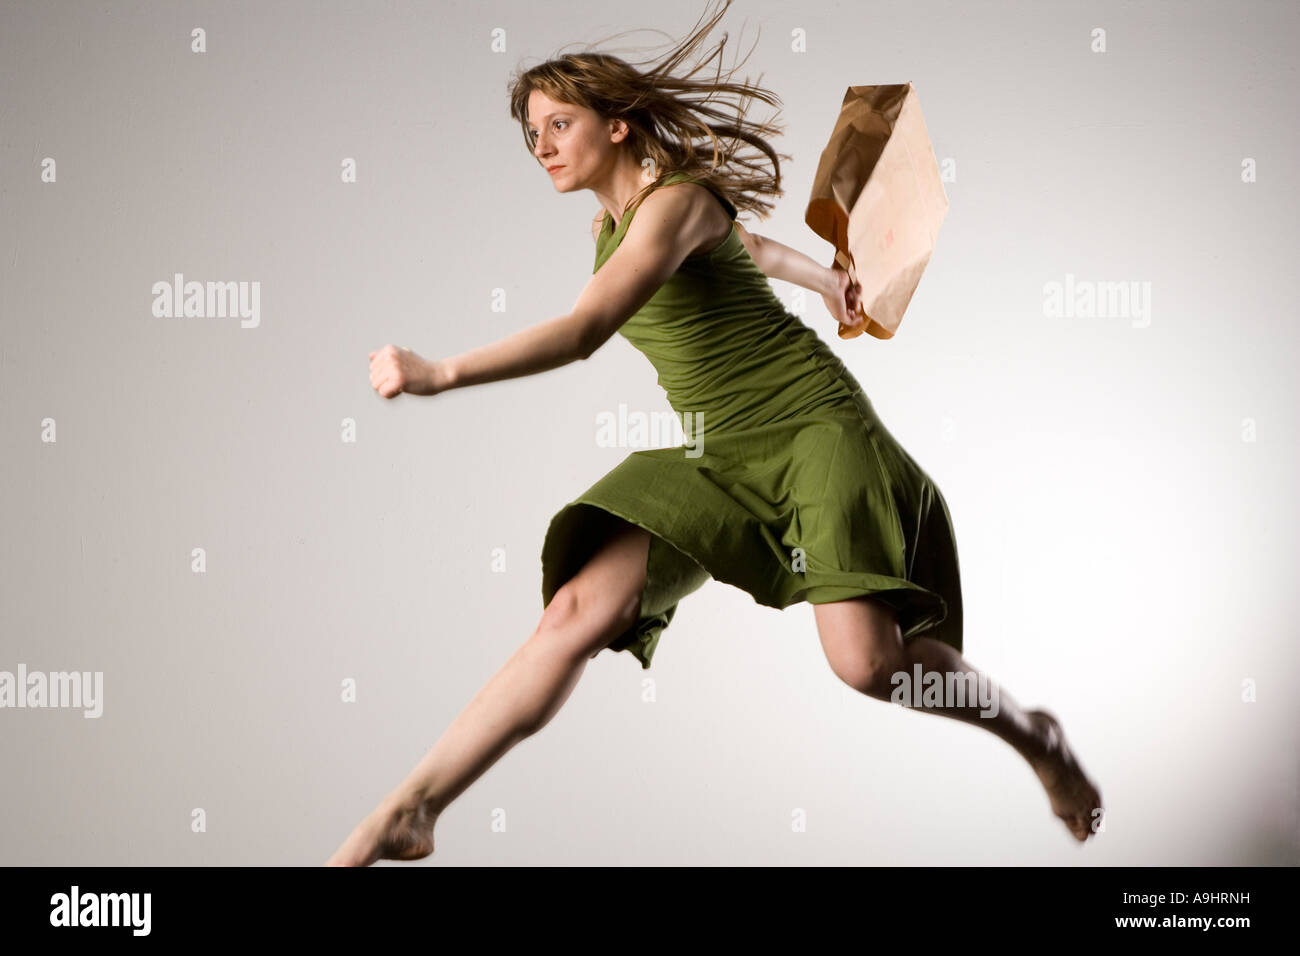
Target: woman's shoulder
699,185
701,201
690,197
682,198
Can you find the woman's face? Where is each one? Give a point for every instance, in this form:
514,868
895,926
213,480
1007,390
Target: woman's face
573,138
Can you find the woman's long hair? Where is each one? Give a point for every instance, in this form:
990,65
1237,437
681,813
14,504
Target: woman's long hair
675,123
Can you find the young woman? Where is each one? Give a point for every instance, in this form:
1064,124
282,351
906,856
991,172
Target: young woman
789,485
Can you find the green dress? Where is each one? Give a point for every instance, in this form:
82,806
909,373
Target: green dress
788,487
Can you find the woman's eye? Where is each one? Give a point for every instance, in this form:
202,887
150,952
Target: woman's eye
532,133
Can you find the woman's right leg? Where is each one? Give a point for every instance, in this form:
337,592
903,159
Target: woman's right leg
592,609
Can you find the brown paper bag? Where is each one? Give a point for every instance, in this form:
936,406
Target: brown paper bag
878,199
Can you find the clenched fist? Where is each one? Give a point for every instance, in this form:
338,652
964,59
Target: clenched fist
394,370
843,297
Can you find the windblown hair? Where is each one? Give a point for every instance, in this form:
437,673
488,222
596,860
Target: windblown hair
675,123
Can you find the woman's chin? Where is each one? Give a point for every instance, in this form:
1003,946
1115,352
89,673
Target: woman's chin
562,180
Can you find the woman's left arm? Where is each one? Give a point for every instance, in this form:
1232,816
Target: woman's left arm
779,261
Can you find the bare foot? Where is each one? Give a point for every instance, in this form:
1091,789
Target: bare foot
1073,795
390,832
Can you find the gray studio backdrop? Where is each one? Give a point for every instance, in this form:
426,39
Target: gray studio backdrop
222,520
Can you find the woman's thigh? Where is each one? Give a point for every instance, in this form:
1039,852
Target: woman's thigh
862,641
603,599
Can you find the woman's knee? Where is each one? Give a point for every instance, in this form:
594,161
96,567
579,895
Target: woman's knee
581,621
871,676
863,645
562,610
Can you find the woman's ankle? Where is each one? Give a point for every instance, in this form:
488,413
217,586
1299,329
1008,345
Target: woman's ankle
411,803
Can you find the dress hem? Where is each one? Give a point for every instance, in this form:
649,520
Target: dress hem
924,609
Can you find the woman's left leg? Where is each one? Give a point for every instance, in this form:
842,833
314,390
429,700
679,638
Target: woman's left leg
864,647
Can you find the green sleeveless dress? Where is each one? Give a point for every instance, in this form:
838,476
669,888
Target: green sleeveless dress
788,486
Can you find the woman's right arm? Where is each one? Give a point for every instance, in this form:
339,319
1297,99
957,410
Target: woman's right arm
537,348
663,233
